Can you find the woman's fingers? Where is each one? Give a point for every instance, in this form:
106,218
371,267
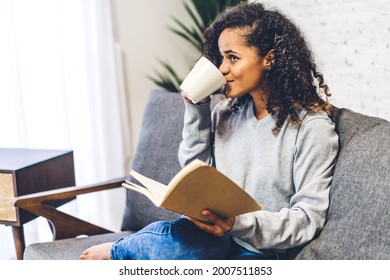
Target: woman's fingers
217,226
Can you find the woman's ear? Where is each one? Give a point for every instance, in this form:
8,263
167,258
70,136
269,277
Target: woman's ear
269,59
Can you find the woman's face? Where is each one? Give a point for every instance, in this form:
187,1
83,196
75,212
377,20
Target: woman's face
241,65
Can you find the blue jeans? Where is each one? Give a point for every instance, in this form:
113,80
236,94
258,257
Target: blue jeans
180,240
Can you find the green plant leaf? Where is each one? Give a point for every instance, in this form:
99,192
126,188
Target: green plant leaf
171,72
170,80
198,24
205,9
190,35
201,13
164,82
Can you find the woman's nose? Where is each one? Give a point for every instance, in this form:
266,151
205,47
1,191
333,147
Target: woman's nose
223,68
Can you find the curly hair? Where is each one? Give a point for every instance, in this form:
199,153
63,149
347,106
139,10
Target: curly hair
292,82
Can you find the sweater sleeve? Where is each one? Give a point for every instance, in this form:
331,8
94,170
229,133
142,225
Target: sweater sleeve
314,159
196,142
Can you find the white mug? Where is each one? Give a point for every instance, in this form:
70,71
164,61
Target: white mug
203,80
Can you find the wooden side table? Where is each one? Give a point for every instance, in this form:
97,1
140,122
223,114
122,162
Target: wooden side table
27,171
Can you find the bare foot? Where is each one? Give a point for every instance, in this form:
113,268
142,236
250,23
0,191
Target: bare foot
98,252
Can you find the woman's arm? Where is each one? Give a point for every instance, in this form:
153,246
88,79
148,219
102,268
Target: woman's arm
196,143
315,156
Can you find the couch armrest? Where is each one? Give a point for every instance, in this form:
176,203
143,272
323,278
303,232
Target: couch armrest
64,225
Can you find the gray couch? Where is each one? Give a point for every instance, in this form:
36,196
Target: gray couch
358,219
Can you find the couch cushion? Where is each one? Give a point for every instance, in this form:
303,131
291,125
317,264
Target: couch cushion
67,249
349,123
358,218
155,156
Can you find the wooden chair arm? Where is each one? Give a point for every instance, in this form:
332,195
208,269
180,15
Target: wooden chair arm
64,225
65,193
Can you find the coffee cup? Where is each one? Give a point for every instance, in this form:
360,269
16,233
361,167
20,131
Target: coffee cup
203,80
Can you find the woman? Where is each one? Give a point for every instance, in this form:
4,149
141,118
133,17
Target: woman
271,135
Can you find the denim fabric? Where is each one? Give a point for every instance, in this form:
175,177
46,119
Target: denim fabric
181,240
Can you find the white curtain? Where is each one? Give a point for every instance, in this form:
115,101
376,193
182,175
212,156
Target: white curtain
61,87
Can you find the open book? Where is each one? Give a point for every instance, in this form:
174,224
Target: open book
196,187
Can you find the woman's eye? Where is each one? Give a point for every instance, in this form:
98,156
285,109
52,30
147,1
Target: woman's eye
233,58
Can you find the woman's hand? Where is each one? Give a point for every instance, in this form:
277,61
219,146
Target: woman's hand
217,226
186,99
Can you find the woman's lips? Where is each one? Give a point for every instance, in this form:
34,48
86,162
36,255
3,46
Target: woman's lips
228,84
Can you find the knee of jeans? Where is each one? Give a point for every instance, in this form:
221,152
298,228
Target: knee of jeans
159,227
134,245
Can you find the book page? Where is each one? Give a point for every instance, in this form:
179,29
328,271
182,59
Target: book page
206,188
142,190
156,188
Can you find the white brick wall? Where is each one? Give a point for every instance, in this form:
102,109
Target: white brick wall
351,42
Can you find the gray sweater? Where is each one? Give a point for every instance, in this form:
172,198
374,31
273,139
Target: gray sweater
288,174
